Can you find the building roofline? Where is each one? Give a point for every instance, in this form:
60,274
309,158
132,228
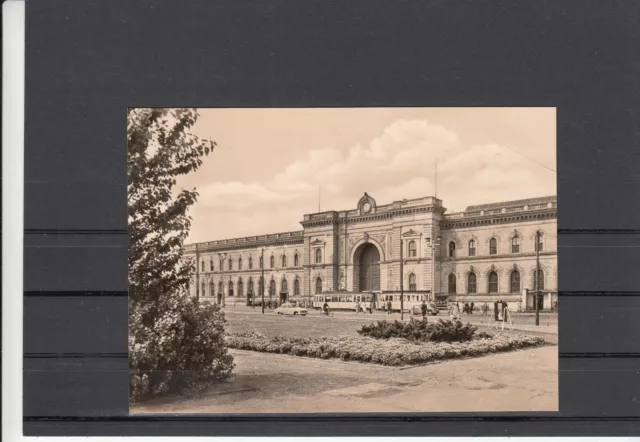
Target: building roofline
511,203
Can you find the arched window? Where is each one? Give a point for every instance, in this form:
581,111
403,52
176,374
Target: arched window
273,262
211,264
240,288
540,280
250,286
211,288
272,288
239,263
412,282
284,260
230,263
472,248
514,282
250,263
230,288
296,287
452,249
284,286
515,245
203,292
471,283
493,246
318,285
202,266
296,260
493,282
540,246
318,256
261,263
413,251
452,283
220,288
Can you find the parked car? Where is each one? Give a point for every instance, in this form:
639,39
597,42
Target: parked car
289,309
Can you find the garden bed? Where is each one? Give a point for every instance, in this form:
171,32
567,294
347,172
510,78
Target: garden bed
392,352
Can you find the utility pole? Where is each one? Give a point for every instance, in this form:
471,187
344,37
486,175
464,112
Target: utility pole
262,277
537,279
432,297
435,180
401,280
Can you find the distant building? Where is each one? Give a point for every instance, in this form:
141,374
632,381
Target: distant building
484,254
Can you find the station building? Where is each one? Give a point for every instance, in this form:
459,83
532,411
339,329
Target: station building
484,254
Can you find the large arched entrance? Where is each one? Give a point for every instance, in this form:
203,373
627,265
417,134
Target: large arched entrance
367,275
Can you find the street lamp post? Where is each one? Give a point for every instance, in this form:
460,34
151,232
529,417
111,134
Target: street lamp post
433,245
262,277
222,257
537,279
401,278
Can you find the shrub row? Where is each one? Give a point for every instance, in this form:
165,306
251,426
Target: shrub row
394,351
443,330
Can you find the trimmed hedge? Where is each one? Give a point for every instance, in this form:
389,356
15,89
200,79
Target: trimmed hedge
393,351
421,331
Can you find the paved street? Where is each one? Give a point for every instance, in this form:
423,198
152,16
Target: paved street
525,380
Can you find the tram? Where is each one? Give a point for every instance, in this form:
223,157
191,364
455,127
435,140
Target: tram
379,300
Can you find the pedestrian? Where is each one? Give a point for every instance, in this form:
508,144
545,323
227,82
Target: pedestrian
471,311
423,307
357,307
389,307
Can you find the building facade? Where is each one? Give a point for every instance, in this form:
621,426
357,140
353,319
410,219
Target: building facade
484,254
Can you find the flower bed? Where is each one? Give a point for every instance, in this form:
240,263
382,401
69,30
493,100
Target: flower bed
393,352
442,330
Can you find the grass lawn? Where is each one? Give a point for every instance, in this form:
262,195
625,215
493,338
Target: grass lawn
312,326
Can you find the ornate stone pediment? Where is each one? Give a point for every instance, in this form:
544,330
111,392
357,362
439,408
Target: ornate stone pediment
317,242
410,232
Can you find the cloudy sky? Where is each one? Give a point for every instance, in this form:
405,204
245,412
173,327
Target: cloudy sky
269,163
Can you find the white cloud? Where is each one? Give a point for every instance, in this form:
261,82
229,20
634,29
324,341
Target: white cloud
398,164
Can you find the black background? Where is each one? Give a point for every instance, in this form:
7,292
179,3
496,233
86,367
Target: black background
87,61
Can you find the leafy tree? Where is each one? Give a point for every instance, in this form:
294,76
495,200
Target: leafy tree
176,343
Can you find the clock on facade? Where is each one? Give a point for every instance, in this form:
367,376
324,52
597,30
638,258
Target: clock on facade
366,207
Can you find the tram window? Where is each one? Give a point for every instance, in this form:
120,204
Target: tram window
342,298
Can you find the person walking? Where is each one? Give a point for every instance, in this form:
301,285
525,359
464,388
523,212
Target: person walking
389,307
471,309
423,308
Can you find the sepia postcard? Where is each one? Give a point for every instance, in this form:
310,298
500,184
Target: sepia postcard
336,260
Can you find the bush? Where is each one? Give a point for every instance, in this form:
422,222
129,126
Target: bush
421,331
179,348
393,351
